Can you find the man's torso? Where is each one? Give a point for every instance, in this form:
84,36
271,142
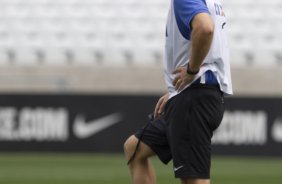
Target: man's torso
178,41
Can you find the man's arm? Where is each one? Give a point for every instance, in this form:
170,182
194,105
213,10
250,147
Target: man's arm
201,37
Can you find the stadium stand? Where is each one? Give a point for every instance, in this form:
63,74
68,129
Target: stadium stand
39,37
64,32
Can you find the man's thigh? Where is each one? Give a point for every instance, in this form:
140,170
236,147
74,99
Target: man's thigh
154,136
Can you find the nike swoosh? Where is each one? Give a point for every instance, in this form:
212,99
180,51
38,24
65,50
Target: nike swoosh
177,168
83,130
277,130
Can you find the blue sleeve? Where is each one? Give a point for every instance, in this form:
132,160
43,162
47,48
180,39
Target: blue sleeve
185,11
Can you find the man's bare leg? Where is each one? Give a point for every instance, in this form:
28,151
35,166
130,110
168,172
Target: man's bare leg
141,168
195,181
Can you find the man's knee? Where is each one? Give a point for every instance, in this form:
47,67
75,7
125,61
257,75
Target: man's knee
143,151
130,146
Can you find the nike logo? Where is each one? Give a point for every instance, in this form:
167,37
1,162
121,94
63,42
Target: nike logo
177,168
277,130
82,129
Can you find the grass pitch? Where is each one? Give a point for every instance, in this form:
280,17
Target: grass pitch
111,169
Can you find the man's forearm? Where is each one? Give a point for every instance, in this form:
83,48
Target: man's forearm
202,36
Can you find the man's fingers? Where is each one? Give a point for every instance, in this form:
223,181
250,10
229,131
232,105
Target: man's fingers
176,71
161,109
158,107
181,86
178,83
156,110
176,79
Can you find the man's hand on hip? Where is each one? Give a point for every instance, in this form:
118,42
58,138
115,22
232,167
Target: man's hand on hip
182,78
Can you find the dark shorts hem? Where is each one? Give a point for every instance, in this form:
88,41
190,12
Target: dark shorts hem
155,150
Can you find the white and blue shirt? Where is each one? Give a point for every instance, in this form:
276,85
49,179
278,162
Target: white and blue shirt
178,42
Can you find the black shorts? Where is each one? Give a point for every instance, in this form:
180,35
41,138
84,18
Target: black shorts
184,131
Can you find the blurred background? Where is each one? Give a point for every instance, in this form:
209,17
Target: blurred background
77,77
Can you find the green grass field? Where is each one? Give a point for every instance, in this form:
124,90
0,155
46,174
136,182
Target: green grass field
111,169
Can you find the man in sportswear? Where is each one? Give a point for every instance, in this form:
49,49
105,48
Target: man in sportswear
197,75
